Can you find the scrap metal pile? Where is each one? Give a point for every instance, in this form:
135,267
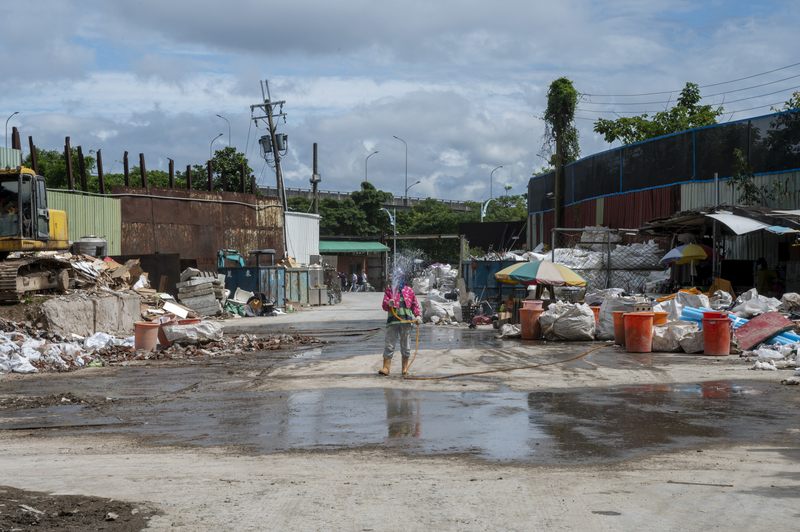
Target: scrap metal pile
27,348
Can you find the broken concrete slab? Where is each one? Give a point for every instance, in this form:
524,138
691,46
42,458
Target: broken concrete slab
112,313
201,301
188,273
195,291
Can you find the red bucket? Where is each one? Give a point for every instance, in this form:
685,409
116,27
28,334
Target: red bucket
717,336
639,332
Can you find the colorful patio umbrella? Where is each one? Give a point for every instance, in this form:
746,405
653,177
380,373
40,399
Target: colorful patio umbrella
542,272
687,253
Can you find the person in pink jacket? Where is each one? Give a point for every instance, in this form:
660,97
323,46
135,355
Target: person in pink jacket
402,300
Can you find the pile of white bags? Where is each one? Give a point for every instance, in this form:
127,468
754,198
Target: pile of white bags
637,257
435,308
579,259
605,322
565,321
667,337
752,304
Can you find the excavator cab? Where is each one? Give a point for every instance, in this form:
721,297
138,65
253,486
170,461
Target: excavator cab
23,207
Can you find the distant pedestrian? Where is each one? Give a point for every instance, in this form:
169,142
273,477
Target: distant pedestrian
354,282
364,281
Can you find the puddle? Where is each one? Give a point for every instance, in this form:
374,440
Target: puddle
54,417
569,427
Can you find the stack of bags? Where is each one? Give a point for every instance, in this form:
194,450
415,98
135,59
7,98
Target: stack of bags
203,292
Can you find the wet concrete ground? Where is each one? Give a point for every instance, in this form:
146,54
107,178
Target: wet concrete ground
216,403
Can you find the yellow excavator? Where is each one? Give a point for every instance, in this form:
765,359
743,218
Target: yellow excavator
26,225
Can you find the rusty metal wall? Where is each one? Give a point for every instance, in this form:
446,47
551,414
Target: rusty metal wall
175,222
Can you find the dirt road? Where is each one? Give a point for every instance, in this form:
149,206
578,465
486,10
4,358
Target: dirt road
316,441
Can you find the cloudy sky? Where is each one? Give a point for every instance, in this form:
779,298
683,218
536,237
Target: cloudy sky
462,82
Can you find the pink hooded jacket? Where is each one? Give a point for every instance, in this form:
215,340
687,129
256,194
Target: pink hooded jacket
408,295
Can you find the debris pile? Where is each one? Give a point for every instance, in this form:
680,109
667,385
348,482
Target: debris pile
28,348
91,271
203,292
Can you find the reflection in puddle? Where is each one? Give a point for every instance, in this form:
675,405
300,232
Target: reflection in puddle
568,426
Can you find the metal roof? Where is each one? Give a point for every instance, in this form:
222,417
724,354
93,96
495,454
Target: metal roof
339,246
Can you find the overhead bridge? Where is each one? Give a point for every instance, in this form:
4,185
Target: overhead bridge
396,201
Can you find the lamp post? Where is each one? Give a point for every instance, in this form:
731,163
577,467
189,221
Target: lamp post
407,187
229,128
366,178
7,119
490,182
483,210
394,244
210,156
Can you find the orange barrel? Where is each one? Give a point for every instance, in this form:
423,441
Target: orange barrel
714,315
660,318
145,335
596,311
164,320
638,332
532,303
716,336
619,328
529,320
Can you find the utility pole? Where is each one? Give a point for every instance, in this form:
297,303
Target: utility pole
268,107
315,184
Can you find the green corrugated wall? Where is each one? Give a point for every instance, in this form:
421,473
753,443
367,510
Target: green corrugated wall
90,215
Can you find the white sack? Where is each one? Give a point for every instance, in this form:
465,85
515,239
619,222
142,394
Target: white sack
720,300
600,295
4,363
571,322
693,342
605,322
508,331
19,364
685,299
421,285
790,301
667,337
205,331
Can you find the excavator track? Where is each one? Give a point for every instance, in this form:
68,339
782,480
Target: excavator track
18,277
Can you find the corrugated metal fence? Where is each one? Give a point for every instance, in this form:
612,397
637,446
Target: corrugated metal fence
90,215
302,235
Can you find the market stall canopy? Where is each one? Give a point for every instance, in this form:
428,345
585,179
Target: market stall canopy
340,246
541,272
733,221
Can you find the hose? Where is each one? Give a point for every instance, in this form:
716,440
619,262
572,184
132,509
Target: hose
416,348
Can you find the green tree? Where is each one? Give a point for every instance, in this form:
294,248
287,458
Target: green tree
370,200
53,166
749,193
299,204
686,114
561,133
342,218
226,161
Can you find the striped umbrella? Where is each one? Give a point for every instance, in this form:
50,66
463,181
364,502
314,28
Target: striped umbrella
541,272
688,253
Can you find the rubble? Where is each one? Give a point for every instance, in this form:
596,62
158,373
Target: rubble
27,348
202,292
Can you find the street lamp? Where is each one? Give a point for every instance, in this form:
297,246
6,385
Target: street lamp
210,156
490,181
485,205
394,225
7,119
407,187
229,128
365,165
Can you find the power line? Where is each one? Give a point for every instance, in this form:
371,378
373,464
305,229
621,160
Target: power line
701,86
733,111
704,97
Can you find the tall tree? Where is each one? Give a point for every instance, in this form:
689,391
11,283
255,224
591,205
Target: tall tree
562,100
686,114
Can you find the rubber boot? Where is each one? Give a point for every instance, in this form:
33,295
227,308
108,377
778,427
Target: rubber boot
406,363
387,364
